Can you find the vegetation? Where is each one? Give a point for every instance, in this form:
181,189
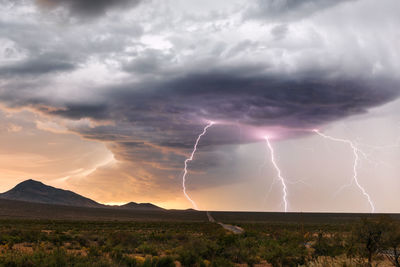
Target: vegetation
66,243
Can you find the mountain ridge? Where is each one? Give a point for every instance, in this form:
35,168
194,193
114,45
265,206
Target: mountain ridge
37,192
142,206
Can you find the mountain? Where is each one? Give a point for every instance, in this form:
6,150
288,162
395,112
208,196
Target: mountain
34,191
140,206
37,192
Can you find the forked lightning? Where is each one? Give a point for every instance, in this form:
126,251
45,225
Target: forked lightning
185,172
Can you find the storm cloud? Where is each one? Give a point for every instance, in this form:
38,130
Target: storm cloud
287,10
170,110
44,64
89,8
174,85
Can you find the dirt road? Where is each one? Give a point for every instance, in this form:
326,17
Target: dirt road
233,228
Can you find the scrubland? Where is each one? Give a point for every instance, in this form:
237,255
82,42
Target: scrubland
366,242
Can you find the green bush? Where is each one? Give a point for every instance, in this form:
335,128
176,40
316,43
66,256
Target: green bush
332,246
188,257
147,249
165,262
221,262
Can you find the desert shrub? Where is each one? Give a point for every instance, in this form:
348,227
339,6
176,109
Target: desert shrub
58,239
165,262
391,243
57,258
82,240
226,240
221,262
204,248
181,237
188,257
147,249
125,239
148,262
29,236
369,237
160,237
128,262
285,254
116,254
159,262
248,250
328,246
94,252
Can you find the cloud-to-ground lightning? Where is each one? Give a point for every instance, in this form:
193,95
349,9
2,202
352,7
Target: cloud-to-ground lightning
279,172
356,152
185,172
275,180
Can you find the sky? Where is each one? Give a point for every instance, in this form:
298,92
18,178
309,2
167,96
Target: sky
107,98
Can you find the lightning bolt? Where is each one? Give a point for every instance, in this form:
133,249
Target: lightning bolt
356,153
279,172
185,172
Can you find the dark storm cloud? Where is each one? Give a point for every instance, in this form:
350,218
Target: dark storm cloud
75,111
154,122
288,10
88,7
169,113
148,62
258,101
40,65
